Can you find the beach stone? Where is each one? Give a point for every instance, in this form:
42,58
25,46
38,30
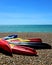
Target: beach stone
44,55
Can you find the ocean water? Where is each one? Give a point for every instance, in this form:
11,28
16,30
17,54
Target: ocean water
25,28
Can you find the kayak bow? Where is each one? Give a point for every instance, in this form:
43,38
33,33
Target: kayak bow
5,46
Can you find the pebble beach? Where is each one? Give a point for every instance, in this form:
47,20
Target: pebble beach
44,56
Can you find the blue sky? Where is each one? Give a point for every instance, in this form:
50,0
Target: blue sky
29,12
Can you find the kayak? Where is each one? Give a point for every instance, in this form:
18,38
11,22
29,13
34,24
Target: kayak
25,40
10,37
5,46
11,48
36,45
17,49
14,37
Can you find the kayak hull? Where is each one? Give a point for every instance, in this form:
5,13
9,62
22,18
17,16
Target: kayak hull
5,46
35,40
23,50
36,45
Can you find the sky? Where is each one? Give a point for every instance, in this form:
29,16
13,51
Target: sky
25,12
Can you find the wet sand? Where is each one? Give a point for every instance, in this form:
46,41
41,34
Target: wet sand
44,55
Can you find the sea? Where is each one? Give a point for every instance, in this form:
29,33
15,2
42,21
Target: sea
25,28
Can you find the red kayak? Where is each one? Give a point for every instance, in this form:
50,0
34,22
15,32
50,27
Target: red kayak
35,40
23,50
5,46
15,41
